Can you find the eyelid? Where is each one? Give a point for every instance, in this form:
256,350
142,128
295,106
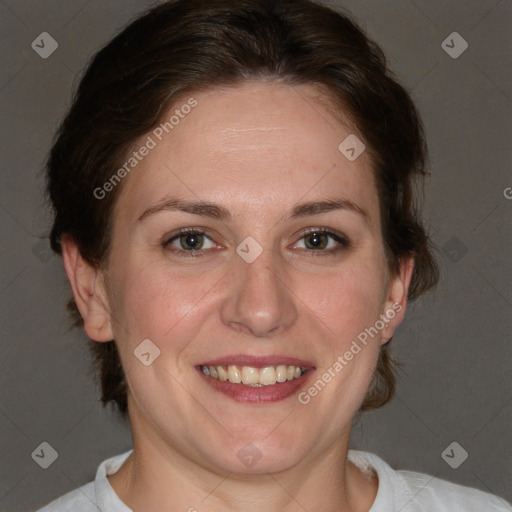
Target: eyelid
183,231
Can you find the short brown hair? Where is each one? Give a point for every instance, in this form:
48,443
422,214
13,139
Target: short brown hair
183,46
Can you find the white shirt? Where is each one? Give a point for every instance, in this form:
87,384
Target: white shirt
404,491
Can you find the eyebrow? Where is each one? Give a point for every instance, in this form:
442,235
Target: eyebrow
218,212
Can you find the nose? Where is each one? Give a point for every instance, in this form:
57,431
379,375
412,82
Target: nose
259,300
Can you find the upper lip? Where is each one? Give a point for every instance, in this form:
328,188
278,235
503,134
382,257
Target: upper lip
257,361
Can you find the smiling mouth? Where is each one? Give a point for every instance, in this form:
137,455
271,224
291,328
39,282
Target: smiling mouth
254,377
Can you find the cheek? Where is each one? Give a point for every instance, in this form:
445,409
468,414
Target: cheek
347,300
153,302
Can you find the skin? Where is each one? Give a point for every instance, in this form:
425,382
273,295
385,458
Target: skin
257,149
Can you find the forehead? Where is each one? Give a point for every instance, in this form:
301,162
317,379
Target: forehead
263,144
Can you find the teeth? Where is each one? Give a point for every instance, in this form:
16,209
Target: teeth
223,373
250,375
281,373
234,374
268,376
254,377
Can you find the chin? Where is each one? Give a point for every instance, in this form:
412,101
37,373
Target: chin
255,456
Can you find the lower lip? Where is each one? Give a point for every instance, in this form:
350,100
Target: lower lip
257,395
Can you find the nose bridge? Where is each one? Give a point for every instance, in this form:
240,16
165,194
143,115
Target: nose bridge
258,301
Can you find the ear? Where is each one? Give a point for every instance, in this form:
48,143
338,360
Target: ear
396,302
87,284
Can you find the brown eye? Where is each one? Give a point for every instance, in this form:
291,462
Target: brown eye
323,241
316,240
189,241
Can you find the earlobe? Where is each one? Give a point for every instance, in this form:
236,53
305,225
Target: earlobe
396,303
88,288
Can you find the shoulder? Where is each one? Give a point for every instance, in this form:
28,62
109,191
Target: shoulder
79,500
409,491
427,492
94,496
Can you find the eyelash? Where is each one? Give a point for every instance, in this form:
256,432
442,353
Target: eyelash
343,242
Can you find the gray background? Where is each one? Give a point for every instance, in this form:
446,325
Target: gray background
456,381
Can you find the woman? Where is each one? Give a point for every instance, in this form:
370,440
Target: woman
234,203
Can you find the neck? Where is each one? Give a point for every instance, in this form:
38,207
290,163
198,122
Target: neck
158,477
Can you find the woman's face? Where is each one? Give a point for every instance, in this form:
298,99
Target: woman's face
252,289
